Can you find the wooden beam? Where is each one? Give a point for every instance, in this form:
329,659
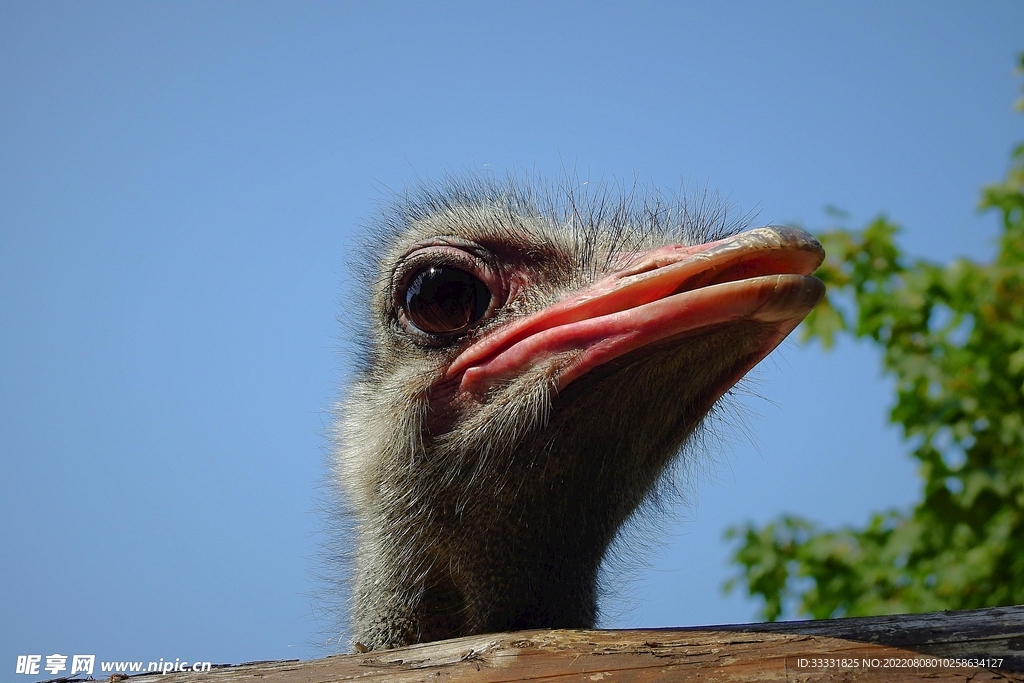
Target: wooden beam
975,645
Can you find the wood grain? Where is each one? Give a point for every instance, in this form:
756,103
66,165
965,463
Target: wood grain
893,648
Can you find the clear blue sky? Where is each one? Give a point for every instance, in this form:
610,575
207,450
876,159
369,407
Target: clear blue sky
179,184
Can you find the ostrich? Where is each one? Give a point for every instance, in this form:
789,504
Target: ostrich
531,364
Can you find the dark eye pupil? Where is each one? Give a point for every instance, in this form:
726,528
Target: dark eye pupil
442,299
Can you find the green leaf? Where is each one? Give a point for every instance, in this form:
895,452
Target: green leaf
952,337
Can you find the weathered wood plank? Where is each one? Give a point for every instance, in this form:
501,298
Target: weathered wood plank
894,648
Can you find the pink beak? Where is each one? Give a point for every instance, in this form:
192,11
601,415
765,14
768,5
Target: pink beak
672,292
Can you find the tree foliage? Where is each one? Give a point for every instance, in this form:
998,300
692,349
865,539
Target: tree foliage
953,338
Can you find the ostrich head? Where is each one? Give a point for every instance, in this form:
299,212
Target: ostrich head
530,365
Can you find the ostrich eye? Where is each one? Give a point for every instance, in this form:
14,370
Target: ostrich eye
443,299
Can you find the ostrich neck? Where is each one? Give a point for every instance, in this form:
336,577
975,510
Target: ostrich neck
521,559
475,541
